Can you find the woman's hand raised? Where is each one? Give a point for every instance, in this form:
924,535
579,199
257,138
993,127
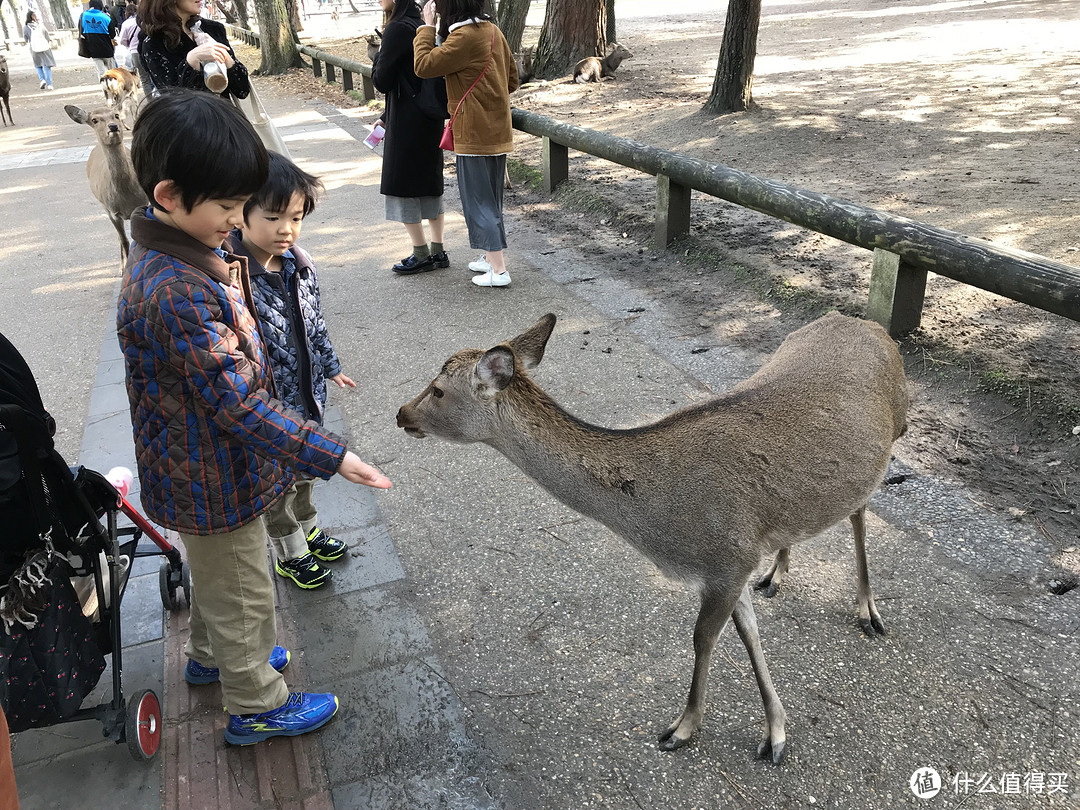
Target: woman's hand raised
428,12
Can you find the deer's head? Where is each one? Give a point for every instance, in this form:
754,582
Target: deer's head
105,121
462,404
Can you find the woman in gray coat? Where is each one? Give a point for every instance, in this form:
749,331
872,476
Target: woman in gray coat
40,48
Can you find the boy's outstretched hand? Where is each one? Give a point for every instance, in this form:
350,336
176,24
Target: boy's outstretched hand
355,470
343,381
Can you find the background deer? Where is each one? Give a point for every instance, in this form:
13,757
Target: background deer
706,491
112,177
5,91
594,68
122,92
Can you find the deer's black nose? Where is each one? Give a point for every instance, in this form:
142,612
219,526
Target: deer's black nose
114,128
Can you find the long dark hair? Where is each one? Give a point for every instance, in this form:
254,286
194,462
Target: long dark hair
29,17
158,18
401,8
455,11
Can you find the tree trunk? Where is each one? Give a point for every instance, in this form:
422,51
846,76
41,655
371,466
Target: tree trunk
61,14
277,42
511,20
573,29
45,17
735,69
611,21
294,16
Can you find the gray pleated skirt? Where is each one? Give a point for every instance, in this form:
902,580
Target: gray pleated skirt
480,184
412,209
44,58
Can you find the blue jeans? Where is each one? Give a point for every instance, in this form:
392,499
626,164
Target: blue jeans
45,74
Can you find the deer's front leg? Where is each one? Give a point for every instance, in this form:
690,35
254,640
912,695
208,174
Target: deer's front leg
774,740
713,615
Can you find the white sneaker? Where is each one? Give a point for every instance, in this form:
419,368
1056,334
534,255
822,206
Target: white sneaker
481,265
43,84
48,87
492,279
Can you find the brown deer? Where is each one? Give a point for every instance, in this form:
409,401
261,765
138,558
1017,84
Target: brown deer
707,491
122,92
112,176
595,68
5,91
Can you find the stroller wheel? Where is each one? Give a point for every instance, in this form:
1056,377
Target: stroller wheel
143,726
171,579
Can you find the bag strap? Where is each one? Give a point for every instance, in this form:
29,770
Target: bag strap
488,62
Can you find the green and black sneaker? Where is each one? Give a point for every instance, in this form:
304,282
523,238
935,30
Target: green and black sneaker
305,571
325,547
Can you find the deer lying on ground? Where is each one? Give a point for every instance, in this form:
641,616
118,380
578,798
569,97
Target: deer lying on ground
5,91
109,170
524,62
594,69
122,92
706,491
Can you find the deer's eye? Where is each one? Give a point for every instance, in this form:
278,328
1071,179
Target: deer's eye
436,392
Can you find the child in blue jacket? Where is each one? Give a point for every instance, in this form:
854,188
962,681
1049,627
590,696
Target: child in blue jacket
285,288
214,450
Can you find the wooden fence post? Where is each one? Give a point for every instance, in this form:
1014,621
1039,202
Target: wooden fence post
346,80
367,87
556,164
672,210
316,67
331,75
896,293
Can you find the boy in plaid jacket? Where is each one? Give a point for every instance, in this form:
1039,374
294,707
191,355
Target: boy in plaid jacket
214,449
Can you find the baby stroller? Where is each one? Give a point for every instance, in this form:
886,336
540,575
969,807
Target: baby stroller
63,573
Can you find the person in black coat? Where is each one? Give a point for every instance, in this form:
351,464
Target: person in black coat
168,51
412,171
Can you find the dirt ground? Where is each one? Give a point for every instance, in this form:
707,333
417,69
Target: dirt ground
959,114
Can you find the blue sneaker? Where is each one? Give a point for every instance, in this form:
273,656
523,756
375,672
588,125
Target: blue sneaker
302,712
196,673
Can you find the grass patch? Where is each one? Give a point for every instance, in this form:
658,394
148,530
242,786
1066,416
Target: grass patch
522,172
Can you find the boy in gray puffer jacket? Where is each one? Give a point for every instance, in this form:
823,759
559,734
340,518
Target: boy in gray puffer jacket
285,289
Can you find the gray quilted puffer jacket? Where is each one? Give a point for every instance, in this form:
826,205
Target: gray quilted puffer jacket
290,319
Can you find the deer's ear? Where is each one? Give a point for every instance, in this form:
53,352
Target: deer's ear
495,369
529,345
76,114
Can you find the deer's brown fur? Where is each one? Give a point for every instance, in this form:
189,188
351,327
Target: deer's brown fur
710,489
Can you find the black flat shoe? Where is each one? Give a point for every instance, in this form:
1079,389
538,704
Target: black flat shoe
441,259
414,264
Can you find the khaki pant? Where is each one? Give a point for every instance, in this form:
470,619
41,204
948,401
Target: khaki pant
232,617
289,521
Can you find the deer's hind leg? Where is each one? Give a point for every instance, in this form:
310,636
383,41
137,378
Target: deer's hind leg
869,618
769,584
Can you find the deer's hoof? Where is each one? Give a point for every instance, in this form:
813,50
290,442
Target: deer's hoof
676,735
669,741
772,751
873,626
767,587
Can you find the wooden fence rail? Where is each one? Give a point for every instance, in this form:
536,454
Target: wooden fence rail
319,59
904,250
